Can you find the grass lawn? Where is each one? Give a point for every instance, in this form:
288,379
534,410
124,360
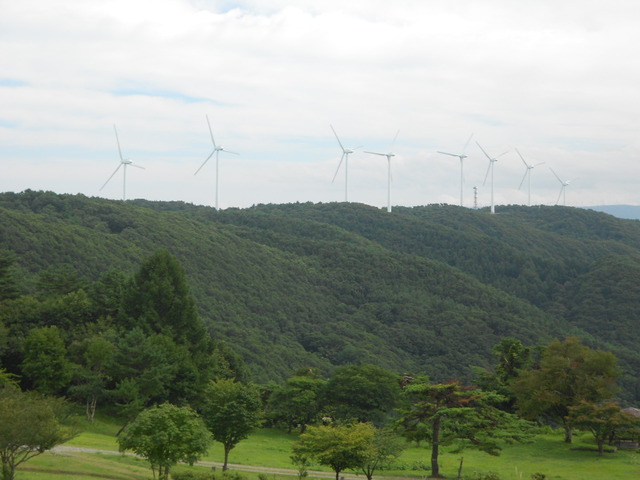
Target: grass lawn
548,454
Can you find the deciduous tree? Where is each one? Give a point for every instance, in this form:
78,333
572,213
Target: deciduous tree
386,447
166,435
364,393
297,402
338,446
569,373
231,410
603,420
45,363
29,425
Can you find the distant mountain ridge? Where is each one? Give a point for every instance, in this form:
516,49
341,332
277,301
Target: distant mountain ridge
425,289
629,212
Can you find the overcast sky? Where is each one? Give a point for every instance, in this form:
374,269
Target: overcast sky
558,80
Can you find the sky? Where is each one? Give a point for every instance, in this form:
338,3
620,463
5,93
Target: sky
551,83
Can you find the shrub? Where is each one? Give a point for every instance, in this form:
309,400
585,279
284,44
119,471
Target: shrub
192,475
202,475
484,476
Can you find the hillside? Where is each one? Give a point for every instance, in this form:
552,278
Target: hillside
426,289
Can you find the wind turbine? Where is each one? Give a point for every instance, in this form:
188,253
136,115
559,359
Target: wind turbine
389,155
563,193
345,156
216,149
527,174
124,162
461,156
492,160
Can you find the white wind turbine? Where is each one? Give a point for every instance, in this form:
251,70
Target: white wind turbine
216,149
492,160
124,162
389,155
345,156
461,156
563,193
527,174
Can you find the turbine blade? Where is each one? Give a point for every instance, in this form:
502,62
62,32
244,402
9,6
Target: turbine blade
447,153
521,158
393,144
339,142
485,153
503,153
377,153
467,144
118,142
137,166
108,179
560,194
338,169
211,132
487,174
206,160
556,175
229,151
523,178
537,164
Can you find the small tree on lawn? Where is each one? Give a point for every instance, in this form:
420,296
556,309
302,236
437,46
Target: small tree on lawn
603,420
451,414
29,426
569,373
231,411
386,447
166,435
339,447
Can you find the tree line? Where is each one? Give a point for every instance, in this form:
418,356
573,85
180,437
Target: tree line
429,289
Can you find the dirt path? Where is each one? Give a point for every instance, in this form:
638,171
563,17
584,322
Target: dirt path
62,449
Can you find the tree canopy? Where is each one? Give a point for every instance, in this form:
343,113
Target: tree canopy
231,410
30,424
452,414
338,446
165,435
569,373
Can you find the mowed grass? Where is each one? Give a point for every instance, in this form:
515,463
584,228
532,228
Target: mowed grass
548,454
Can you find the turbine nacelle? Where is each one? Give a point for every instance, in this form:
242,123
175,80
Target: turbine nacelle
123,162
343,158
460,156
216,149
389,156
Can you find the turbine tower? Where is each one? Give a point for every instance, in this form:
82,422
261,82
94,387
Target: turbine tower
527,175
216,149
389,155
124,162
461,156
345,156
492,160
563,193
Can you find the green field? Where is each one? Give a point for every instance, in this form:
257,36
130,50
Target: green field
270,448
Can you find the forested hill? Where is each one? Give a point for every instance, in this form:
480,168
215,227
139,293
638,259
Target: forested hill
425,289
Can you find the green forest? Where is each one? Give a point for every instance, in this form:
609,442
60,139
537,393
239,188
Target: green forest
425,290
